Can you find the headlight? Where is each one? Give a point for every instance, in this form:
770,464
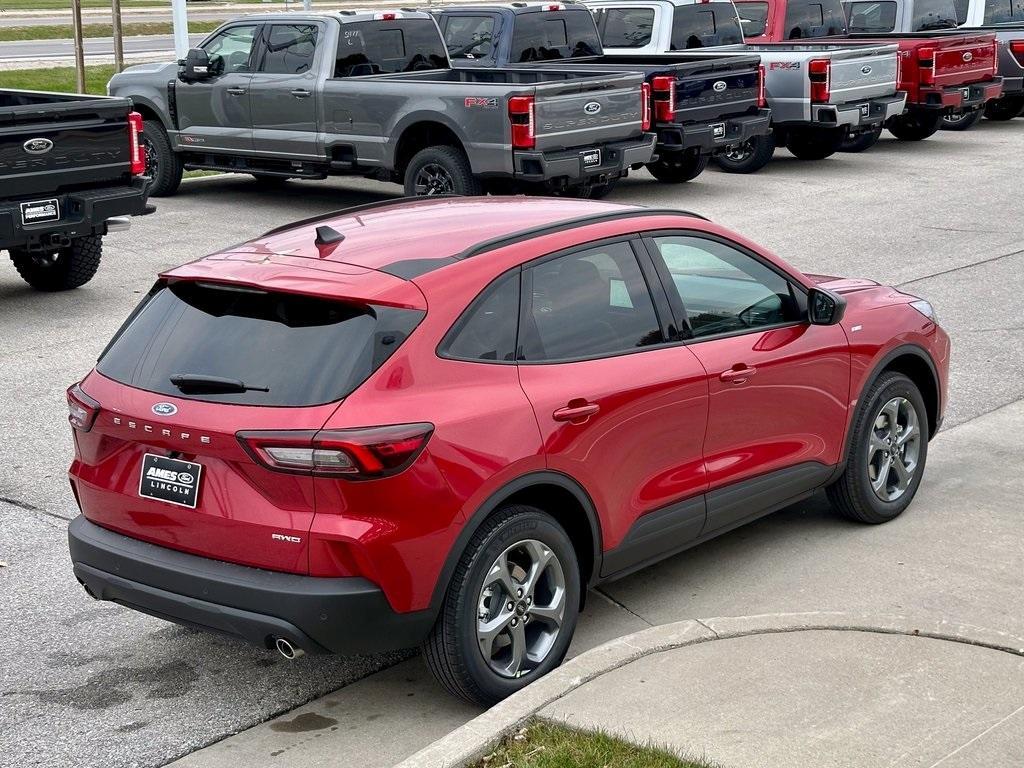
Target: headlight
925,309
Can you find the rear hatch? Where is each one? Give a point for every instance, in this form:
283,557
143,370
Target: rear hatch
52,142
588,109
179,465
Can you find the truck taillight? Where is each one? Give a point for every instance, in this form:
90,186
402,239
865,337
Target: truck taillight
135,148
762,96
820,73
926,65
1017,49
82,409
356,454
663,89
521,113
645,107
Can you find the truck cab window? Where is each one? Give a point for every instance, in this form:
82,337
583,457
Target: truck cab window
753,18
625,27
872,16
809,20
1004,11
376,47
469,37
705,24
289,49
933,14
541,36
233,48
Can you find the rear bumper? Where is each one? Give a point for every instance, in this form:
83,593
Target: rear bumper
977,95
318,615
855,114
1013,86
714,135
82,213
616,160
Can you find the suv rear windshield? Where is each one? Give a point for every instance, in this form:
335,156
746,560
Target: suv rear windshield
376,47
302,350
705,24
546,36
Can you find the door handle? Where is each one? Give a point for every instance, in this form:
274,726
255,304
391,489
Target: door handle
738,375
576,412
300,93
236,91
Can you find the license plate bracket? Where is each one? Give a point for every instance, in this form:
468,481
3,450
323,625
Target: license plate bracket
172,481
40,211
865,110
591,158
965,94
718,130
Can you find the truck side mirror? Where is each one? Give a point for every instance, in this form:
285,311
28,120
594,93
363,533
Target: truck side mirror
195,66
824,307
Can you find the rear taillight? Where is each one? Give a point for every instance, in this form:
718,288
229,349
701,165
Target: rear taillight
1017,49
645,107
356,454
521,111
82,409
926,65
762,97
135,148
820,73
664,92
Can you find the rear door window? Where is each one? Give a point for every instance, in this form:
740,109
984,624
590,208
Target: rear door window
933,14
753,18
810,20
289,49
625,27
294,350
469,37
705,24
382,47
548,36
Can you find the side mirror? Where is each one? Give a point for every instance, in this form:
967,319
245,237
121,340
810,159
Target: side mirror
195,66
824,307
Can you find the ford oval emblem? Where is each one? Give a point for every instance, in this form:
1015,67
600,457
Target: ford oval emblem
592,107
720,86
968,56
865,70
165,409
37,146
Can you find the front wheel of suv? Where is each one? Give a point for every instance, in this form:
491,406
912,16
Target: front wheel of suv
887,452
510,610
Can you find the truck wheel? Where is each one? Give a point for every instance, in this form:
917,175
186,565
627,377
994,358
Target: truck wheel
815,144
62,269
440,171
887,452
510,609
679,167
748,157
911,126
163,165
961,121
1005,108
861,141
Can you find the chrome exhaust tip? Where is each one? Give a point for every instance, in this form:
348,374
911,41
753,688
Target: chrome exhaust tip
286,649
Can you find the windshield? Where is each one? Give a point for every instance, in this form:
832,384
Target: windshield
872,16
295,350
753,18
933,14
703,25
547,36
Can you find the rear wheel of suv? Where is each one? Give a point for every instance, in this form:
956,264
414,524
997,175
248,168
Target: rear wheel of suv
861,141
163,165
914,126
510,611
1005,108
814,144
440,171
961,121
887,452
748,157
677,167
62,269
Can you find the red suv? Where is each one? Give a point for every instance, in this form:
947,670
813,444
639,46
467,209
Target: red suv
438,421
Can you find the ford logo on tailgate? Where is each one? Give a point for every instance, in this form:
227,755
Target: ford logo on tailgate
720,86
968,56
865,70
592,107
37,146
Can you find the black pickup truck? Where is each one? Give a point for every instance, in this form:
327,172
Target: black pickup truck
699,107
71,170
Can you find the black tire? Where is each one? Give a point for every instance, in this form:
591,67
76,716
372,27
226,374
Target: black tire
589,191
1005,108
852,493
269,180
914,126
861,141
814,144
749,157
63,269
961,121
441,170
163,165
452,650
679,167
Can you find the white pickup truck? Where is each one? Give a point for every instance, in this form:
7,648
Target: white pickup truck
818,92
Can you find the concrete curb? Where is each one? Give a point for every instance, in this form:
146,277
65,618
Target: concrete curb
474,739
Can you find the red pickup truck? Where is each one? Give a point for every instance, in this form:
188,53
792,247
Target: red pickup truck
941,72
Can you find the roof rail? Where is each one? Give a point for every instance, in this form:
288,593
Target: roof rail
344,211
558,226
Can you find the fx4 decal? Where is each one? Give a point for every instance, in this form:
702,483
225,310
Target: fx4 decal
480,101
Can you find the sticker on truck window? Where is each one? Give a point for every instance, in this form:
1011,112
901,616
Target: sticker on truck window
480,101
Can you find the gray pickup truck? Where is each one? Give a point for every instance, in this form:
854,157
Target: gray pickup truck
818,92
373,94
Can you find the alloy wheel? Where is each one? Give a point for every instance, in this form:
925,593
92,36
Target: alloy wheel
152,162
434,179
521,608
894,447
739,152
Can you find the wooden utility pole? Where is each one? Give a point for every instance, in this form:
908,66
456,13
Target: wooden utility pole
76,20
115,8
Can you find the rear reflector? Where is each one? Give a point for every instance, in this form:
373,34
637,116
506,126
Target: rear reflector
820,73
521,113
82,409
645,107
135,148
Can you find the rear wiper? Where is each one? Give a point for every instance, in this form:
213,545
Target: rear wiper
201,383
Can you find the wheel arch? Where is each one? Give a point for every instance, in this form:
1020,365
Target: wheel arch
149,111
417,134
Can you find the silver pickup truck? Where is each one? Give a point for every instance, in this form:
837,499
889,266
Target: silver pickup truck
818,92
373,94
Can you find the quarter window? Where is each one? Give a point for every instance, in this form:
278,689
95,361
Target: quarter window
487,330
289,49
232,48
587,304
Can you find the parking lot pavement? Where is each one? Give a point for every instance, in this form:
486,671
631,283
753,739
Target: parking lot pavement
88,684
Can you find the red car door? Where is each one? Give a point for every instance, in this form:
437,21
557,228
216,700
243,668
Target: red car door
619,409
778,386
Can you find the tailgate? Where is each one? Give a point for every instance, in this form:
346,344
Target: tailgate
961,62
863,74
49,146
715,89
593,109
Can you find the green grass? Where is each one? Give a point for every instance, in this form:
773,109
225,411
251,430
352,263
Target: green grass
542,744
62,32
57,79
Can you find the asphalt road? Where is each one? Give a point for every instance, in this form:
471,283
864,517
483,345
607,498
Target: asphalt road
92,684
36,50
